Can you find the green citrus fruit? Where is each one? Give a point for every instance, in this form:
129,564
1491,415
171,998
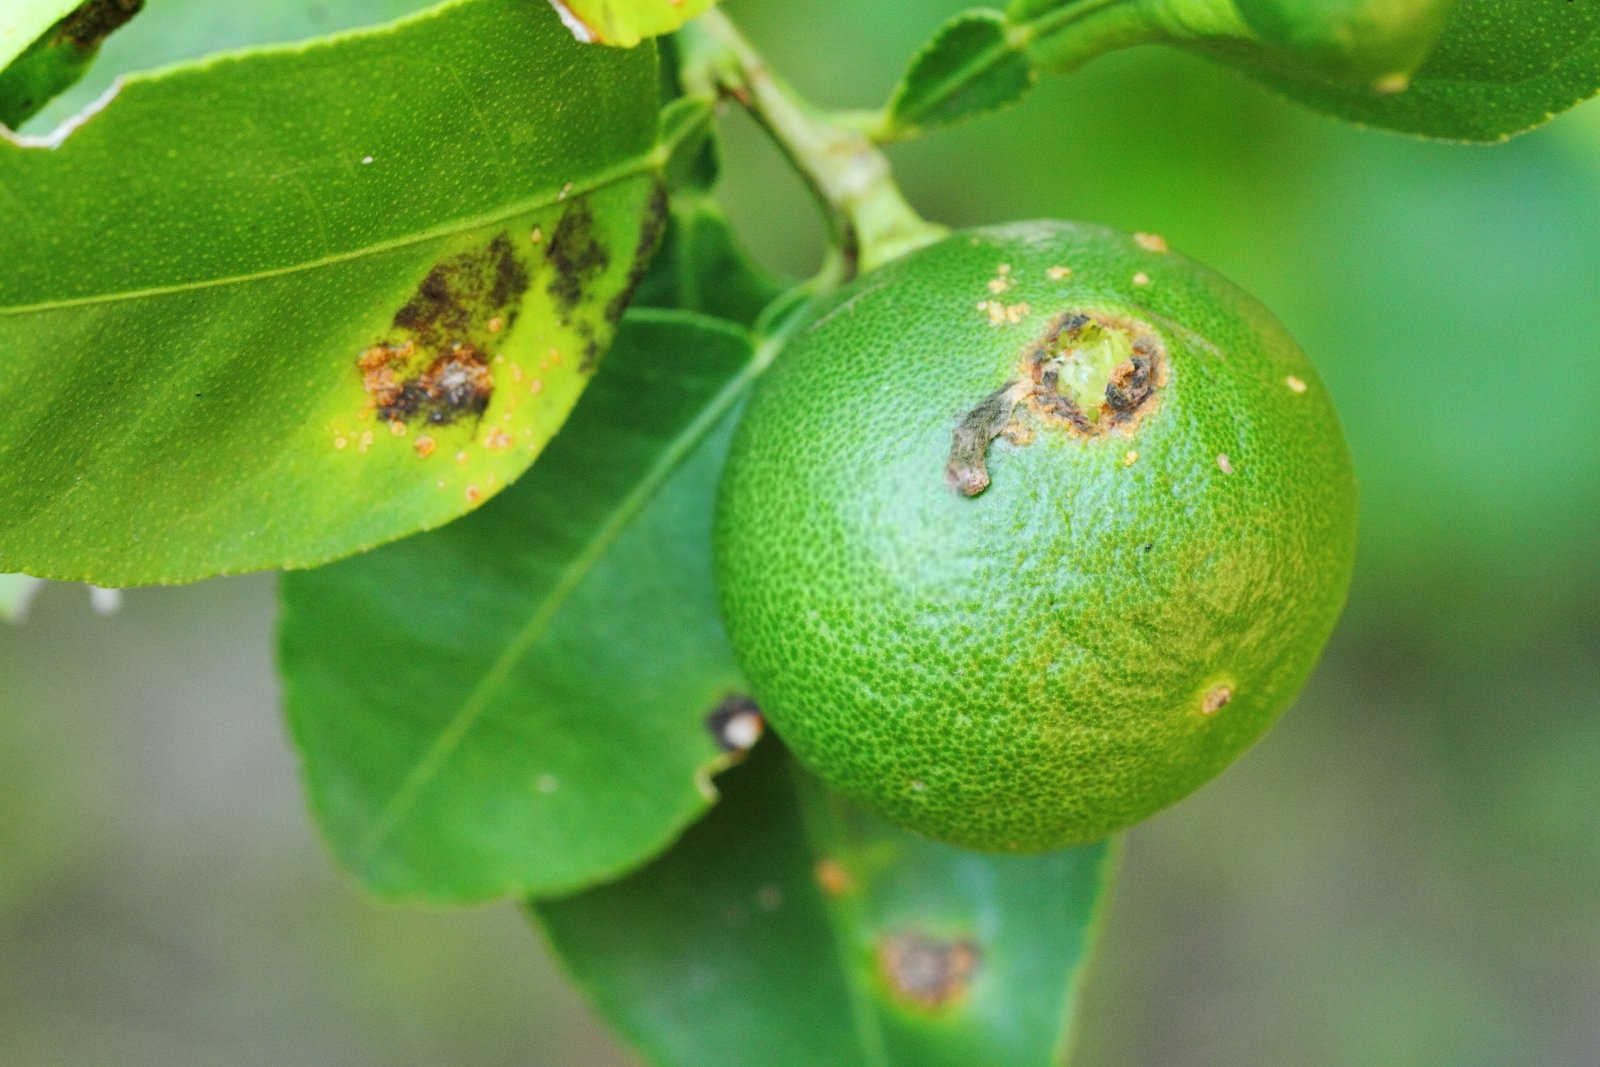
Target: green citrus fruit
1031,532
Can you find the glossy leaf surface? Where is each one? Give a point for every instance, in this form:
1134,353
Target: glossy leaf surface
518,703
790,928
282,306
626,22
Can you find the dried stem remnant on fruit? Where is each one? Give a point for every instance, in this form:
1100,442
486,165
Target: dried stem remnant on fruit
965,470
927,972
1088,374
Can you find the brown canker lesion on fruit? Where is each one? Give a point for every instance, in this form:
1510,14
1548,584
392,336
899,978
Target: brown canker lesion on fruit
930,973
1062,383
1215,699
434,364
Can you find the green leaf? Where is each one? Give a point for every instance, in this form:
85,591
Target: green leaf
791,928
178,31
626,22
288,304
969,68
1499,69
1470,70
58,57
1358,43
16,593
518,703
701,266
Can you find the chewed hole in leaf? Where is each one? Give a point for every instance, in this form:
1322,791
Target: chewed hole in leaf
736,724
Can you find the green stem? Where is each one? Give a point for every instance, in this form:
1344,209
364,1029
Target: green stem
869,220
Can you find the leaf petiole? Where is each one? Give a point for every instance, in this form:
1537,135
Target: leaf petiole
868,217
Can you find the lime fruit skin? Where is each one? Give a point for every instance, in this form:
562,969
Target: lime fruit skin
1107,624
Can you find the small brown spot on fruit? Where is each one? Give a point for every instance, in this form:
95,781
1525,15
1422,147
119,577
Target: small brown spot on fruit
1141,278
736,723
927,972
1130,458
1151,242
1216,699
998,285
1295,385
424,445
1224,464
832,878
1056,274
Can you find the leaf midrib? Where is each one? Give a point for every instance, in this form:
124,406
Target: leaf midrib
651,161
477,699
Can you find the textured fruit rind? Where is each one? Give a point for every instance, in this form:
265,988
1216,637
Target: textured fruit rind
1040,664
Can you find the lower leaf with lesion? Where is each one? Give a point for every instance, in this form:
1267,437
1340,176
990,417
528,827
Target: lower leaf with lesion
792,927
523,702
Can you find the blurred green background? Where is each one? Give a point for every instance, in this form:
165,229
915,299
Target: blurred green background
1406,871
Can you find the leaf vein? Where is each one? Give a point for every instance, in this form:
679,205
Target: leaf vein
648,162
477,700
